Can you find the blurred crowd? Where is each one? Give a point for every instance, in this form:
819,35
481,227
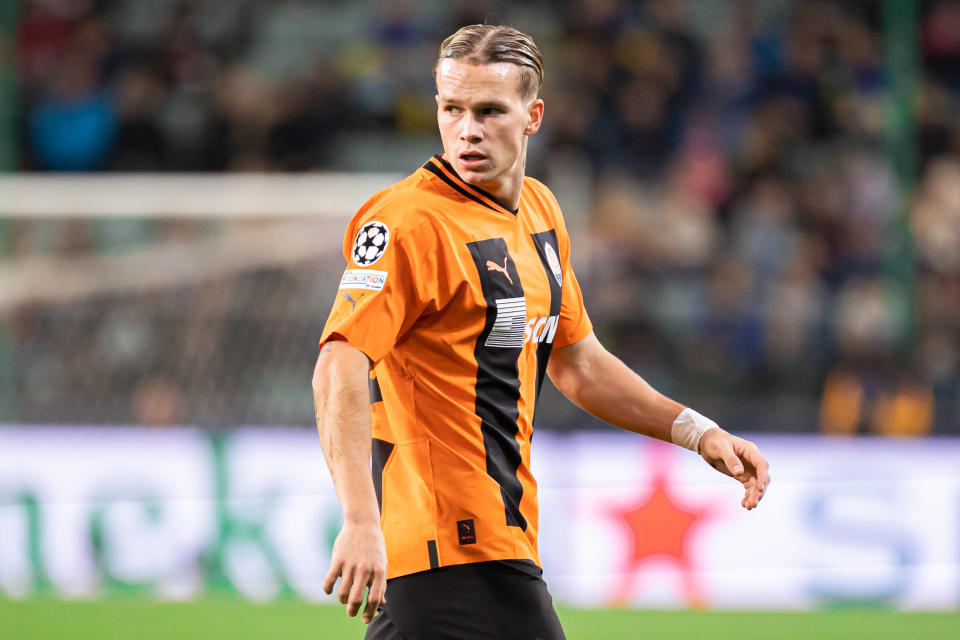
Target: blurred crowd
757,231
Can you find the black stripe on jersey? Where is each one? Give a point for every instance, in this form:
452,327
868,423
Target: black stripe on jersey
440,174
498,377
556,290
482,192
373,387
432,554
380,453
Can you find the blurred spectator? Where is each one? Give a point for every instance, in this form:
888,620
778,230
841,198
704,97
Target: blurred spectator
73,122
157,402
139,143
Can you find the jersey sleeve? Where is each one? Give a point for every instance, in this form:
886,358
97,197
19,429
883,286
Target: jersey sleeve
574,323
380,295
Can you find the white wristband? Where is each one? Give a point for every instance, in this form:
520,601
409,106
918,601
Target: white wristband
689,427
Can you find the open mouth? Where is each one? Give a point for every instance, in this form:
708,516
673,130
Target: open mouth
472,157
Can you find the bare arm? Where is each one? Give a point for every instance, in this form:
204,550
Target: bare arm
343,421
601,384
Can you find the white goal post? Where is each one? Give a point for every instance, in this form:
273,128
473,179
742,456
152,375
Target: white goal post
233,195
262,220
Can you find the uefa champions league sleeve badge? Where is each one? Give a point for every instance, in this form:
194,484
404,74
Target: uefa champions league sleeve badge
370,243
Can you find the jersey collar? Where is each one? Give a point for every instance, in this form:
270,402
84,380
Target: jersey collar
442,169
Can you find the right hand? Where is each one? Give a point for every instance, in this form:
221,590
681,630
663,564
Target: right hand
360,561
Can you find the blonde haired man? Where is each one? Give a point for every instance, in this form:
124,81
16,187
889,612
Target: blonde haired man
457,300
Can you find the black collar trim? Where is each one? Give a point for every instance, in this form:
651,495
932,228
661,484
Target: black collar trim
449,175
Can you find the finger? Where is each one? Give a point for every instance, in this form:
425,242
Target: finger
752,455
375,597
346,584
749,500
753,494
360,580
731,461
763,473
761,469
378,587
332,576
749,451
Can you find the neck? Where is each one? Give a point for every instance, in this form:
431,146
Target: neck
510,187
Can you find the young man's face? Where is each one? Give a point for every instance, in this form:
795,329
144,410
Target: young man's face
483,121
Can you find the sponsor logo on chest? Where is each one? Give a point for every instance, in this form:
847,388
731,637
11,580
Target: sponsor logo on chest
540,329
512,329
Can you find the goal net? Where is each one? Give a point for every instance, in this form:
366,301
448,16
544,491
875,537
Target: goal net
159,299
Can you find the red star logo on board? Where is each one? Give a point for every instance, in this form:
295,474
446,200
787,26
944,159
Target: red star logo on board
658,527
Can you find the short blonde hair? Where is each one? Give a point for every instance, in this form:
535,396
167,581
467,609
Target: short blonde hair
489,44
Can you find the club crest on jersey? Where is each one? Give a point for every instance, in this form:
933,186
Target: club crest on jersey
370,243
554,262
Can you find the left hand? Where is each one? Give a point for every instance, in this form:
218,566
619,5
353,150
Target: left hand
739,459
359,559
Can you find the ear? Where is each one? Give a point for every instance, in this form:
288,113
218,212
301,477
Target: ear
535,117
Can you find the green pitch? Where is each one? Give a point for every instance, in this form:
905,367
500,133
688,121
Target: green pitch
237,620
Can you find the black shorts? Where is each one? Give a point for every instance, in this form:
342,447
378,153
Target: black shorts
500,600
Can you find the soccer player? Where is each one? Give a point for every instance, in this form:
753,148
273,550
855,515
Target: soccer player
457,299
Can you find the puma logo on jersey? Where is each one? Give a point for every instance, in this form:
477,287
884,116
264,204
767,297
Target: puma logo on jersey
351,300
540,329
493,266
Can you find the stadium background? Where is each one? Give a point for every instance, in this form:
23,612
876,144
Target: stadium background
765,203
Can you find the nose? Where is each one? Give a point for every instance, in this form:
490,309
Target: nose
470,128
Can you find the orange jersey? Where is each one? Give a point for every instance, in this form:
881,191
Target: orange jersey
458,301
